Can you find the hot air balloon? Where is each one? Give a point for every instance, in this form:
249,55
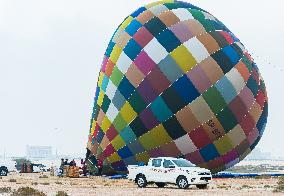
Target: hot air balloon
175,81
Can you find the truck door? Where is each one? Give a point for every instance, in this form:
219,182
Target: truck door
155,170
168,171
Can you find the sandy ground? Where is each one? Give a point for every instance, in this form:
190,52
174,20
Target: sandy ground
104,186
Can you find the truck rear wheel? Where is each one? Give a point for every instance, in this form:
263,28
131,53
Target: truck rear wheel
160,184
201,186
141,181
3,171
182,182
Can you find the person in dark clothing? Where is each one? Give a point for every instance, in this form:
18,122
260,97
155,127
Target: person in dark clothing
61,168
72,163
62,164
66,162
100,167
84,166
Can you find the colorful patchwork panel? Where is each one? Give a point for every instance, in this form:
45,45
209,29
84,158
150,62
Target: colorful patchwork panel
175,81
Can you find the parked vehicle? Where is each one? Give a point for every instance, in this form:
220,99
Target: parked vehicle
168,170
39,168
3,171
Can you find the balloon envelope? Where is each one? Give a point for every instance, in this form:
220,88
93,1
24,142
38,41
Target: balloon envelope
175,81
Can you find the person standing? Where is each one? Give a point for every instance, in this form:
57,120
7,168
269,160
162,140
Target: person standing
72,163
84,166
100,167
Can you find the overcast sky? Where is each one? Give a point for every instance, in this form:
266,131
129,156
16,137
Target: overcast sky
51,52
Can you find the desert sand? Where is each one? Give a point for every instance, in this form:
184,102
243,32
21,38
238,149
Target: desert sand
104,186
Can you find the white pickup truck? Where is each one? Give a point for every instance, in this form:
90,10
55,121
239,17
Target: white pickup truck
168,170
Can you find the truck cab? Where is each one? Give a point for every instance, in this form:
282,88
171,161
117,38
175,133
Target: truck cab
168,170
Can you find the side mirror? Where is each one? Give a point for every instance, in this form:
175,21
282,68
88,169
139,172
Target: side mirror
172,166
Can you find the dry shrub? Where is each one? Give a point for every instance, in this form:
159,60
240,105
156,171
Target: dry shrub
61,193
27,191
45,183
12,180
57,182
43,176
280,186
5,190
245,186
262,177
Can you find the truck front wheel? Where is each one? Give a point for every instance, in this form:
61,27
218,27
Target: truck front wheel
141,181
182,182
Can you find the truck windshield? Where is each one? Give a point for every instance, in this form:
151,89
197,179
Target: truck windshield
183,163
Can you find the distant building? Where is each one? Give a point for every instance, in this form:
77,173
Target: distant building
39,151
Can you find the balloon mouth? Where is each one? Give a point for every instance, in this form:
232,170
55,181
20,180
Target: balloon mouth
106,168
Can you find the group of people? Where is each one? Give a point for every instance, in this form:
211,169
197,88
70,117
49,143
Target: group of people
84,167
66,163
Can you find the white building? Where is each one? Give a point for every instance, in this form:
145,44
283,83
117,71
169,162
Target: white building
39,152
